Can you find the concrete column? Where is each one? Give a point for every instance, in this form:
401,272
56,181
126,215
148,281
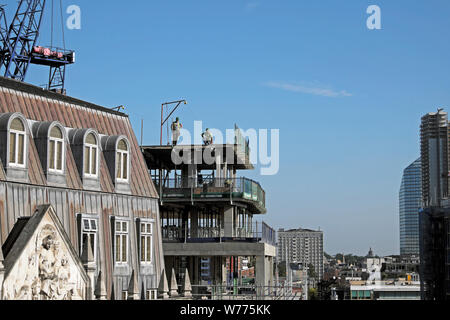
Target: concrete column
169,262
271,277
218,171
89,264
2,273
196,275
194,223
189,176
192,175
218,272
185,222
263,273
239,270
224,270
228,216
225,170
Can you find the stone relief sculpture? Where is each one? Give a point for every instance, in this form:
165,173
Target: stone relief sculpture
52,282
45,271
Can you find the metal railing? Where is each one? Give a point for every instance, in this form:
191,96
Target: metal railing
244,292
206,186
268,235
254,232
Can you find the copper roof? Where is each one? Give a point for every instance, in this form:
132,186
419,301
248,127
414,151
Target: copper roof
41,105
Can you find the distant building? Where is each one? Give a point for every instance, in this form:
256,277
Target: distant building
434,157
400,266
302,246
384,290
410,199
374,266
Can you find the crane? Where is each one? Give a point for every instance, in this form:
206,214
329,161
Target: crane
19,46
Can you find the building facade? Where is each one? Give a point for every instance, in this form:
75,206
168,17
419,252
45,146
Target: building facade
72,176
385,290
410,199
434,133
302,246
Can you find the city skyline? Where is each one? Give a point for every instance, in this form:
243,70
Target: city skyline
347,100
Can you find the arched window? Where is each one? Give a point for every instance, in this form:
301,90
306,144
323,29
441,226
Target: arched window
90,156
17,143
122,157
56,150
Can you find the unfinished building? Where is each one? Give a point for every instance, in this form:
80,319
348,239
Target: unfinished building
208,213
434,217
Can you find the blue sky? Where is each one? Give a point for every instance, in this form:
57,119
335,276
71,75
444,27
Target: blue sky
347,100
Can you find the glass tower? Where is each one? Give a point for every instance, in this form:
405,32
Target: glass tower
410,202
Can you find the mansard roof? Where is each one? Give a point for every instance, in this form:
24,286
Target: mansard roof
44,106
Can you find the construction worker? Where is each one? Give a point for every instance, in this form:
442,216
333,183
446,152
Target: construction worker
207,138
176,127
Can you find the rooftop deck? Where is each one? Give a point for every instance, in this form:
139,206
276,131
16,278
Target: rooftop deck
161,157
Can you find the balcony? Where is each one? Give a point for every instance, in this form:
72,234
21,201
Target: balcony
214,189
256,232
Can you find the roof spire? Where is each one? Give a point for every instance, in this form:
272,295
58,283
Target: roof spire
187,288
133,288
163,289
100,288
173,285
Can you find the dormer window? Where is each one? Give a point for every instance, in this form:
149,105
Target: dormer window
117,153
17,143
56,150
122,157
91,156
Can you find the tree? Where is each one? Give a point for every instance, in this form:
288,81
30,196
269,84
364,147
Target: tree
311,272
312,294
282,269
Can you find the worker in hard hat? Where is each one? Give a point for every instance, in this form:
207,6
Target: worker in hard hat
207,138
176,127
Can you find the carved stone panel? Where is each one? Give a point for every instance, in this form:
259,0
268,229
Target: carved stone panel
43,264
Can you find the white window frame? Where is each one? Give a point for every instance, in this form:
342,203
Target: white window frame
120,248
90,232
145,235
55,155
120,154
17,133
91,148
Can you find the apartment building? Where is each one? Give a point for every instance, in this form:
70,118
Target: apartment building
302,246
